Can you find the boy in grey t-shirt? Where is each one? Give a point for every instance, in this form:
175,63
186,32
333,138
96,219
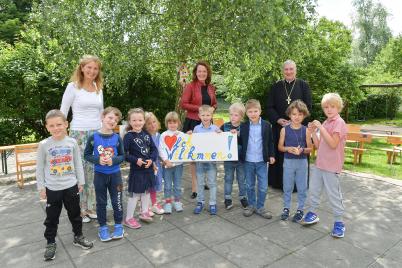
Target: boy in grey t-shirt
60,178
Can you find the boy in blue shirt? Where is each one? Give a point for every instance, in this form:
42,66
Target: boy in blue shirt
105,149
208,168
257,152
236,112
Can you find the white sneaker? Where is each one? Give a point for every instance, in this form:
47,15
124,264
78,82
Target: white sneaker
178,206
157,209
92,216
86,219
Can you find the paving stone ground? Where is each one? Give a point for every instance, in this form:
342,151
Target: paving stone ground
373,236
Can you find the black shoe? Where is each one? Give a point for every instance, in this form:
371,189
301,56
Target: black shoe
244,202
81,241
298,216
193,195
285,214
50,252
206,187
228,204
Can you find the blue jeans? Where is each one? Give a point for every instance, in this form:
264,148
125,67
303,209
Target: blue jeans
294,170
259,170
230,168
114,184
173,175
208,168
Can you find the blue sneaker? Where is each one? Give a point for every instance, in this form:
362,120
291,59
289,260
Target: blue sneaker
103,234
167,207
198,208
285,214
298,216
339,229
212,209
118,232
310,218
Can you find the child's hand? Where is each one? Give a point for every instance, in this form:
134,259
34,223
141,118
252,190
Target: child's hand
109,162
168,164
272,160
233,131
317,124
283,122
148,163
102,161
311,127
189,132
80,188
42,194
140,162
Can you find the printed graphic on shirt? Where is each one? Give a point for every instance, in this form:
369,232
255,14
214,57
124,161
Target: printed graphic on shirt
143,144
61,161
106,153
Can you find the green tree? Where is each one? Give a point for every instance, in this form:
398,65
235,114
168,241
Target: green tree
14,13
372,28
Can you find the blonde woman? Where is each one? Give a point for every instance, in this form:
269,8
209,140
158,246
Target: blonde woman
85,97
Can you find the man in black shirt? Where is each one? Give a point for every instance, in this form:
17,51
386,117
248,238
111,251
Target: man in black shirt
282,93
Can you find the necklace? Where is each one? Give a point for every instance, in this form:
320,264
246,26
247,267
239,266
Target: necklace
299,142
291,90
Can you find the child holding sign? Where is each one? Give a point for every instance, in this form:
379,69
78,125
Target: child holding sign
236,111
173,171
295,142
206,168
257,153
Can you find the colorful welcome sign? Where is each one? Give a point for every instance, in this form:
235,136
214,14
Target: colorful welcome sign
202,147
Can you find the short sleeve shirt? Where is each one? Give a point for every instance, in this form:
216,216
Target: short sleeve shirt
330,159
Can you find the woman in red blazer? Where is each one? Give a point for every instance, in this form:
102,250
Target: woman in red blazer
199,92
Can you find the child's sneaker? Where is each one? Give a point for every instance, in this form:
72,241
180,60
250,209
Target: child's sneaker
81,241
285,214
178,206
228,204
167,207
132,223
244,202
298,216
248,211
310,218
157,209
198,208
264,213
212,209
103,234
146,217
339,229
151,213
50,252
86,219
118,231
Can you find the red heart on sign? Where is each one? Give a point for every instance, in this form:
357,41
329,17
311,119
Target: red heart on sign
170,141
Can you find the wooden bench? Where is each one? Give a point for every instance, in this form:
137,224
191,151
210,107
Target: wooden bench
20,151
395,150
359,139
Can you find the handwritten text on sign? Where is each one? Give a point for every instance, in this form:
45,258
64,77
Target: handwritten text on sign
202,147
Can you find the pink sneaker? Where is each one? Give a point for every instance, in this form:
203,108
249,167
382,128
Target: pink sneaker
146,217
151,213
132,223
157,209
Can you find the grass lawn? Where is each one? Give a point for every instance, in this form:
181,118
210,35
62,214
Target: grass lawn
397,121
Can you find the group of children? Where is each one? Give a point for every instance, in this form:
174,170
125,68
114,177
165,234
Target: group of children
60,175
